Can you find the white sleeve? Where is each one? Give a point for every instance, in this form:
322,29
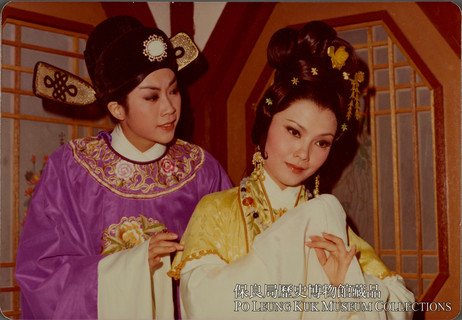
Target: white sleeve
396,300
210,287
125,286
207,286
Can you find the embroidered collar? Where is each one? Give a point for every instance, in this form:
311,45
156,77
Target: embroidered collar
142,180
121,144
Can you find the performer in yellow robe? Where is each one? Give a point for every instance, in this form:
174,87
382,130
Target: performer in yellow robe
222,231
268,248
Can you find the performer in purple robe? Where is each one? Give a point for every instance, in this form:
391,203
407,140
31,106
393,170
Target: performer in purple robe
108,210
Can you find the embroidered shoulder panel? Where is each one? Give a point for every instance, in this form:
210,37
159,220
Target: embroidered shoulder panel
128,233
138,180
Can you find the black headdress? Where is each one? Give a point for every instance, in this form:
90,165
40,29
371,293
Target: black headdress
118,51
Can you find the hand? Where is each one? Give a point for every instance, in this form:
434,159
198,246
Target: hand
162,244
338,259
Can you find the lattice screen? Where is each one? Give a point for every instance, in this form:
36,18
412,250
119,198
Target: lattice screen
30,130
397,157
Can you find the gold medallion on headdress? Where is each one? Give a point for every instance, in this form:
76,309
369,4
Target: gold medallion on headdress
155,48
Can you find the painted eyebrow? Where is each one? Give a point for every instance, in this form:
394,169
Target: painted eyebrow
297,124
156,88
304,129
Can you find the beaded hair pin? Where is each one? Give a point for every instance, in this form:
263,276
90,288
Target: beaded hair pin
338,58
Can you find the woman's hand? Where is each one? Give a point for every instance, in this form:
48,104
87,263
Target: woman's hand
160,245
338,259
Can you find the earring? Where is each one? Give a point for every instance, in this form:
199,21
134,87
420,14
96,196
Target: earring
257,161
316,187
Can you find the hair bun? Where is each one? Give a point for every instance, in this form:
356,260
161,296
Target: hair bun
314,39
282,47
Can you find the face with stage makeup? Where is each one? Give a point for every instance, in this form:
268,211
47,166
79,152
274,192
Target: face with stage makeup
295,128
150,112
298,142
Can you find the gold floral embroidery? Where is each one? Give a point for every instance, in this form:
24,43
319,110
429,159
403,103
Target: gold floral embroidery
129,232
138,180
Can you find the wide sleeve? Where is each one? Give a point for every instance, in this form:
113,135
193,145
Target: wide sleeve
56,261
212,288
390,284
127,288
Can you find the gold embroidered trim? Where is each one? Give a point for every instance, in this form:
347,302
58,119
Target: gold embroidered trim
386,274
246,231
175,272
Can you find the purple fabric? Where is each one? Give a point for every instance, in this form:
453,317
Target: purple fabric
60,244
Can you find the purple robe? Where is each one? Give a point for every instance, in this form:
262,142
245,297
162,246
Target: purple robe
86,190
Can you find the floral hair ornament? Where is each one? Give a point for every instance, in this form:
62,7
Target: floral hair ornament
294,81
338,57
314,71
268,103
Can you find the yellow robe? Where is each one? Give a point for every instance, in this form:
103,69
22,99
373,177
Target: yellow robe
226,223
223,253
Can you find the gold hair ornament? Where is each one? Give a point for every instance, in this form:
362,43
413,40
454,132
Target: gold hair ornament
354,97
337,57
294,81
